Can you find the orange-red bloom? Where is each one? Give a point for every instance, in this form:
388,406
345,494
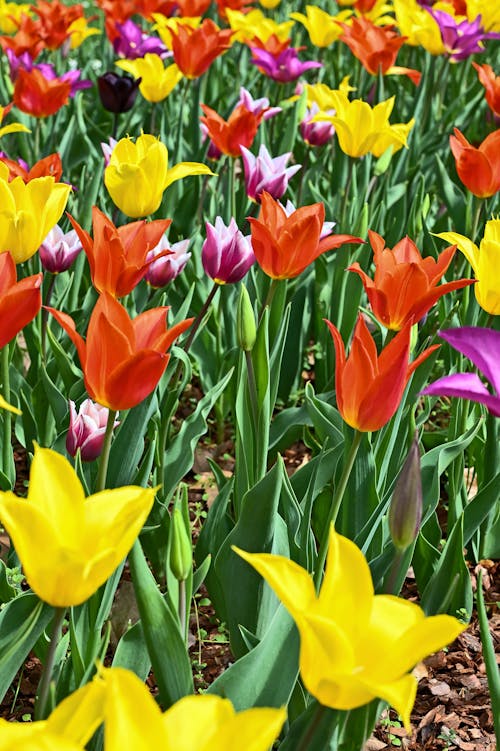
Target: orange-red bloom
196,49
286,244
26,39
273,44
55,18
230,135
117,255
478,169
39,96
19,301
49,166
122,359
405,284
376,47
223,5
192,8
368,386
491,83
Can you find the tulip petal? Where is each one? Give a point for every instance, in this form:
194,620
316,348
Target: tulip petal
185,169
290,582
481,346
191,723
79,715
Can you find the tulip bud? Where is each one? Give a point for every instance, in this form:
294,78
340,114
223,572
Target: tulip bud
383,162
405,512
117,93
167,267
245,321
181,551
226,254
59,250
87,429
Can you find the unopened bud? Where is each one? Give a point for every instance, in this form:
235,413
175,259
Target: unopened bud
181,552
383,162
245,321
405,512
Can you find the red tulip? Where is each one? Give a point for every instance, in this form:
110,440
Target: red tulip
19,301
478,169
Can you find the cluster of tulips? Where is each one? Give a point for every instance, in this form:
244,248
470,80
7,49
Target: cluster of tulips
121,281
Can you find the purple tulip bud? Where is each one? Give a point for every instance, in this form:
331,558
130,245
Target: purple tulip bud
257,105
226,254
168,267
59,250
263,172
316,133
87,429
132,42
405,511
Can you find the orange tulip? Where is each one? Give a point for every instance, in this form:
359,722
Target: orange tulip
122,359
491,83
39,96
239,130
55,20
192,8
478,169
405,284
49,166
376,47
285,243
223,5
117,255
26,39
273,44
19,301
196,49
369,387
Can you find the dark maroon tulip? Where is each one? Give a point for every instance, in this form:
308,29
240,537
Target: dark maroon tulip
117,92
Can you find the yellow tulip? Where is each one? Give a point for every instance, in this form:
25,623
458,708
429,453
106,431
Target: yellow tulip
138,174
79,31
256,24
134,722
489,12
485,261
361,129
10,13
355,646
323,95
68,544
379,13
270,4
395,136
416,23
164,24
69,727
28,211
157,81
322,28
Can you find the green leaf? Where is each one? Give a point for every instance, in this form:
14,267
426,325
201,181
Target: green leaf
22,621
131,652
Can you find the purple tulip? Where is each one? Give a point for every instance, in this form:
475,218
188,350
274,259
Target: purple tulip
482,347
117,93
59,250
165,269
284,67
262,172
316,133
226,253
132,42
461,39
87,429
257,105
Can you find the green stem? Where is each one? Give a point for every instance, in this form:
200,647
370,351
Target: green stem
44,685
182,606
335,507
178,142
45,313
392,576
7,457
345,202
106,448
310,730
199,318
269,297
477,215
252,387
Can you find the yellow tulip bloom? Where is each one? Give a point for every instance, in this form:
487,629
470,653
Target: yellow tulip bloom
416,23
270,4
396,136
489,12
68,544
323,95
256,24
165,24
134,721
10,13
157,81
28,211
72,723
355,646
79,31
485,261
322,28
361,129
138,174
